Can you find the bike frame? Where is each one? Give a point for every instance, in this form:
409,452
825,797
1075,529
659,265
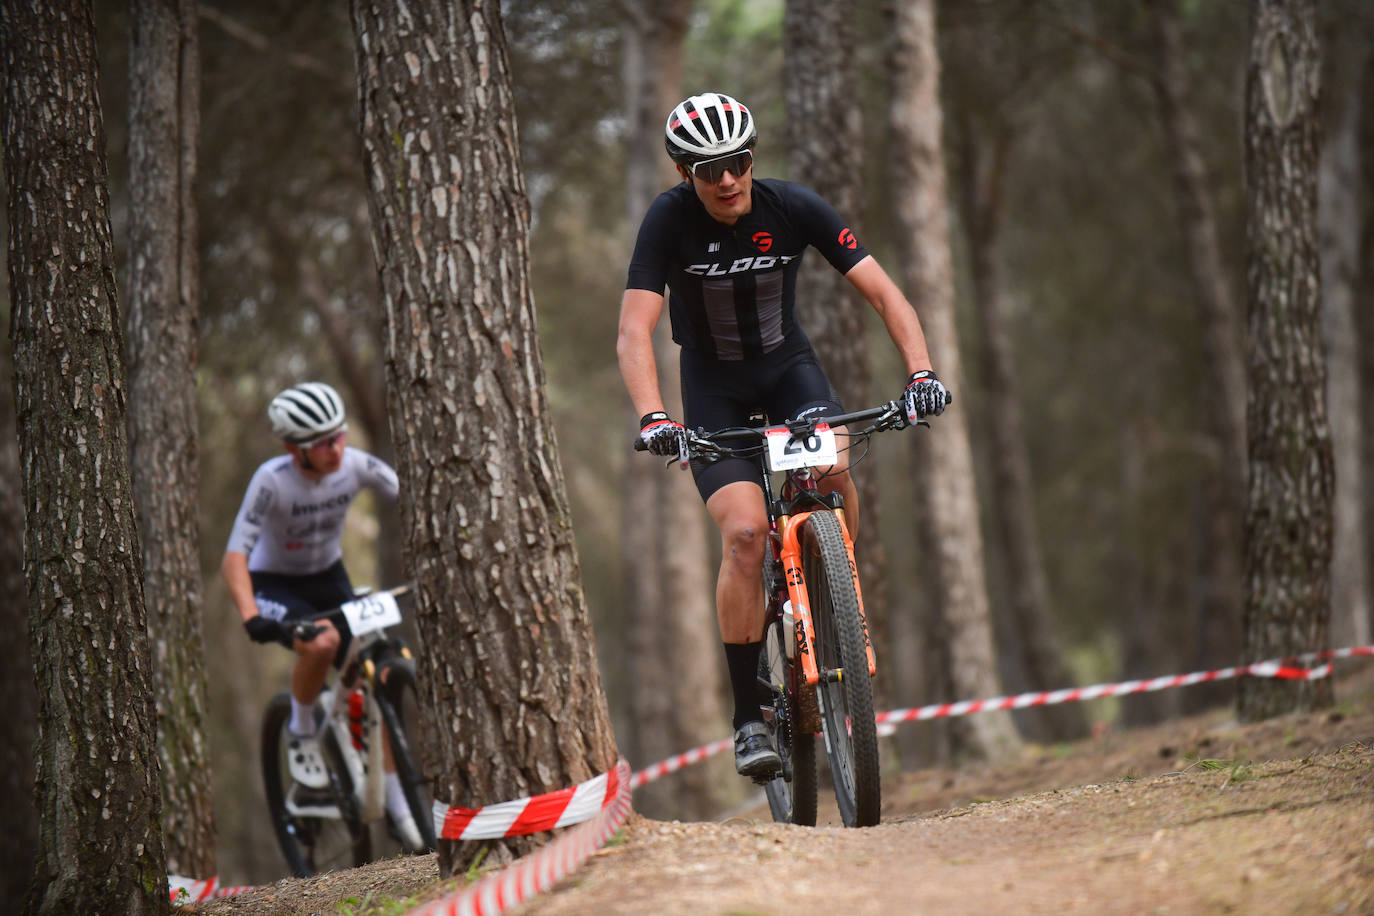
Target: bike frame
357,673
786,527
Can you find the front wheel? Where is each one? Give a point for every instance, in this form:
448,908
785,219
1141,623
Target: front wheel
318,829
399,702
845,690
791,796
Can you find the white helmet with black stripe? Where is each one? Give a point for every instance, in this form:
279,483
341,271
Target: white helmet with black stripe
706,126
307,412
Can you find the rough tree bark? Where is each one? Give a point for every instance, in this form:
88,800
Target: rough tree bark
825,152
96,754
1288,518
959,639
514,700
164,301
669,602
1222,341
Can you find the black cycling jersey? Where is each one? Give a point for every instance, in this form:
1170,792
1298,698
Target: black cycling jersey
732,289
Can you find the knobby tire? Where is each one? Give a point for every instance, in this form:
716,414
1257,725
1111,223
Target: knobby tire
851,737
399,703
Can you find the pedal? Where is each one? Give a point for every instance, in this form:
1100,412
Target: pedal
763,779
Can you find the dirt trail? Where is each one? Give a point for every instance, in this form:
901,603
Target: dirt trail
1199,815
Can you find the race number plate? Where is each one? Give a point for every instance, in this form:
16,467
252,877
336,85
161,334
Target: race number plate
371,612
786,453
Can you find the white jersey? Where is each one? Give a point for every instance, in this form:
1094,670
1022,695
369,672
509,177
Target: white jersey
291,524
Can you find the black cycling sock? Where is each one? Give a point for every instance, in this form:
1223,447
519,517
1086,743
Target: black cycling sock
743,661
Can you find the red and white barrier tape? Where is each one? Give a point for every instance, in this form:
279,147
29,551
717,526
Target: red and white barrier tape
534,874
1288,668
194,890
673,764
527,815
1272,668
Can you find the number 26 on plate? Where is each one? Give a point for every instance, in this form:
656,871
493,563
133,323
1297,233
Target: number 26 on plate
787,452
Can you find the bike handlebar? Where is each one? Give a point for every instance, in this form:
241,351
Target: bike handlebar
700,443
304,628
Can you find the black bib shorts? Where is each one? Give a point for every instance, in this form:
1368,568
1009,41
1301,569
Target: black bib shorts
717,394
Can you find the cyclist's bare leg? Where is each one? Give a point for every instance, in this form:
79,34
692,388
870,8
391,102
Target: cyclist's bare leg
836,479
313,659
737,509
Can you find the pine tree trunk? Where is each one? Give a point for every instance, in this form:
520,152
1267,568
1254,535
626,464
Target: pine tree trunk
947,526
96,760
1341,216
825,152
1288,520
1032,628
513,695
1222,340
678,700
164,301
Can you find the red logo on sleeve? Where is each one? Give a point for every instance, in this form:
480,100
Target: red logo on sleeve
762,240
847,239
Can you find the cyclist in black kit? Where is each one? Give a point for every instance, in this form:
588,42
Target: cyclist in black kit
728,249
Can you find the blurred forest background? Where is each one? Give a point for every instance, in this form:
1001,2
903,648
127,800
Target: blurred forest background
1052,105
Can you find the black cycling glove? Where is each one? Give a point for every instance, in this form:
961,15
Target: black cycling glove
925,396
265,629
662,435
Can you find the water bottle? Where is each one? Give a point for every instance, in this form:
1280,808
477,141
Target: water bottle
355,718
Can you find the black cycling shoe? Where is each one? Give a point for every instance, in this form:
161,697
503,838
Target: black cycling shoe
754,753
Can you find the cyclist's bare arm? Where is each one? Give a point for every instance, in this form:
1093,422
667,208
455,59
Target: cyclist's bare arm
892,307
234,568
640,311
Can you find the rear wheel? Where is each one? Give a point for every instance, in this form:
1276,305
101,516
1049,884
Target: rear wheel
400,706
318,830
791,796
845,691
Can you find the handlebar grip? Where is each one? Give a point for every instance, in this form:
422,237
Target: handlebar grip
305,632
641,445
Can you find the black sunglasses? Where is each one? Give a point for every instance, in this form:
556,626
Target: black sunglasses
712,171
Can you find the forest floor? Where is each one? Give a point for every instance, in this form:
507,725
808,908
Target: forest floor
1195,815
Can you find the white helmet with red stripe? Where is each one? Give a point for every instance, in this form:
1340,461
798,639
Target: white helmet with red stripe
706,126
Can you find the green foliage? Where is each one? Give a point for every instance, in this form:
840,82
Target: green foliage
474,869
1237,771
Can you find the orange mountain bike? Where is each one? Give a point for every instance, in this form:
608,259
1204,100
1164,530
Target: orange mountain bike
817,660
